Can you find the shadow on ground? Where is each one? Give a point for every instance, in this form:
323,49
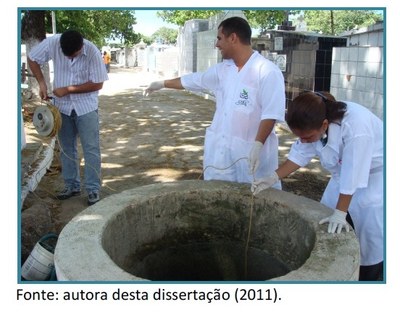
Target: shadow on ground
143,141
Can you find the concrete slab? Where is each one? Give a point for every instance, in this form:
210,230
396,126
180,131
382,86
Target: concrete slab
111,240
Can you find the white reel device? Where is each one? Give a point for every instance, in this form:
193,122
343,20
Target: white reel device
43,120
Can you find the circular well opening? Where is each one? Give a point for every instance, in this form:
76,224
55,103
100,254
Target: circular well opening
202,235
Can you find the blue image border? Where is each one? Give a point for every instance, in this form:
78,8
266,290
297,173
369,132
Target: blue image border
267,282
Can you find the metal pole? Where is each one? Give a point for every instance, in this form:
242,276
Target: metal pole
53,22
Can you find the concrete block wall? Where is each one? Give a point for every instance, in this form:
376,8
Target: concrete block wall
167,62
126,57
188,45
196,43
356,72
207,54
185,59
301,74
358,76
372,36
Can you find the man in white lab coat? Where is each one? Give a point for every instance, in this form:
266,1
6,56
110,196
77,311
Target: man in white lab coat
241,142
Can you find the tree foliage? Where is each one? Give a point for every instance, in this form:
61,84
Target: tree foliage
335,22
179,17
100,25
267,19
95,25
258,19
322,21
165,35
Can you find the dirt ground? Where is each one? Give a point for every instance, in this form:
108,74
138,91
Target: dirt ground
143,141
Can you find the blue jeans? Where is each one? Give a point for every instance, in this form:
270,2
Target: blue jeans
86,127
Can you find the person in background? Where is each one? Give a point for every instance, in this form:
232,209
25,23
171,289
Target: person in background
79,74
250,98
107,61
348,139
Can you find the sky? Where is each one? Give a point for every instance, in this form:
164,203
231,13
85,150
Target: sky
148,22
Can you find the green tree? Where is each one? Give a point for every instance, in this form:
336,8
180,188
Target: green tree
95,25
267,19
98,25
332,22
179,17
165,35
258,19
335,22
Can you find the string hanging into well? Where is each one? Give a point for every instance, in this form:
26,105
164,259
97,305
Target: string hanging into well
246,250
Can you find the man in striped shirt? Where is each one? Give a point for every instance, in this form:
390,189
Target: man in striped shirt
79,74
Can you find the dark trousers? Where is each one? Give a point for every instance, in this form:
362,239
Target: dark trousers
372,272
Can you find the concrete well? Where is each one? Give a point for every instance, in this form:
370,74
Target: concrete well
198,231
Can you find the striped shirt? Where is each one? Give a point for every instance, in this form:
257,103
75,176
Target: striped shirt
87,66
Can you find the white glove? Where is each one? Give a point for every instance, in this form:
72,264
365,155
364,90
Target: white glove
254,157
154,86
264,183
337,221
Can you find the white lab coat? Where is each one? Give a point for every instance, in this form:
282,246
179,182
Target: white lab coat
243,99
354,157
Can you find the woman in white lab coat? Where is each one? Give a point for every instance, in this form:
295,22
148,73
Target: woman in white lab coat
348,139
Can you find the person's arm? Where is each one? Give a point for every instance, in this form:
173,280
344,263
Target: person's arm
38,74
264,129
81,88
158,85
285,169
344,202
174,84
271,93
